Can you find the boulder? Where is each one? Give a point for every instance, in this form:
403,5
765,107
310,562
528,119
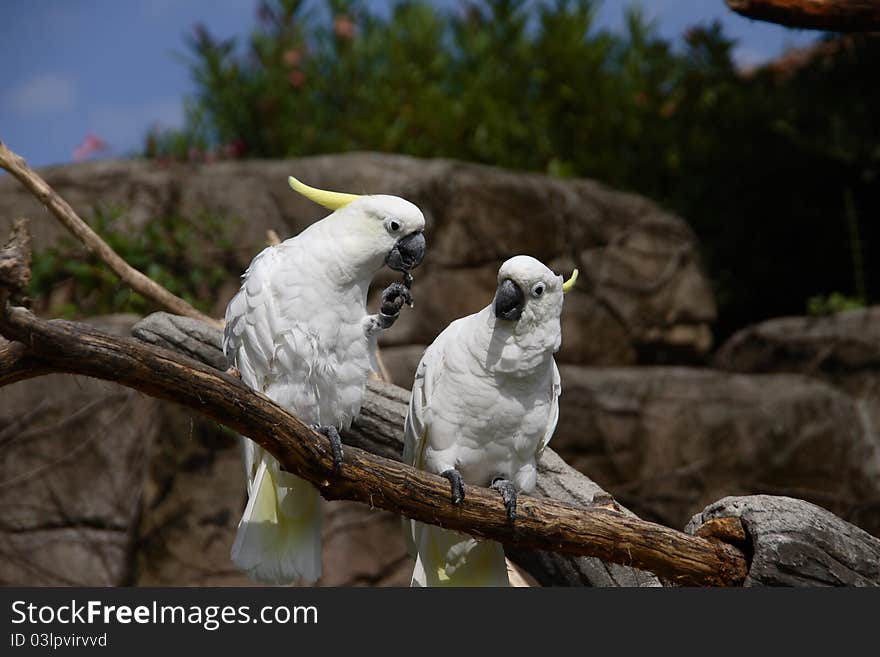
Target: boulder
642,296
843,348
74,467
667,441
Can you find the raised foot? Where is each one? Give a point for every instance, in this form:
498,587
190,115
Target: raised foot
332,434
393,298
456,483
508,494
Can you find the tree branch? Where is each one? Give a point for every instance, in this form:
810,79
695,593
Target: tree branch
138,282
834,15
542,524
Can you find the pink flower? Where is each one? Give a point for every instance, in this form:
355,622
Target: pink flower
343,26
296,78
91,145
292,57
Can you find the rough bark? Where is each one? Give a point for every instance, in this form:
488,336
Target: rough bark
795,543
834,15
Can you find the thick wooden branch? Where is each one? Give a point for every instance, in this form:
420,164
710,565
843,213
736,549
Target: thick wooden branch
833,15
793,542
542,524
138,282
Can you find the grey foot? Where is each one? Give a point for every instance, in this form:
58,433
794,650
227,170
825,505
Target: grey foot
456,483
393,298
508,494
332,434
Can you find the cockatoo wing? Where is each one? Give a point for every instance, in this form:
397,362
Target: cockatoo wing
278,537
249,338
418,418
552,421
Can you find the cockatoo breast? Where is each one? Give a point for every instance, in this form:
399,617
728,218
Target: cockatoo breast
484,422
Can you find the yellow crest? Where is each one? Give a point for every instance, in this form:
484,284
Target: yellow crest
330,200
566,287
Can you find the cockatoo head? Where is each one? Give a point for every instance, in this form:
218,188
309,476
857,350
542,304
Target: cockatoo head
529,294
373,229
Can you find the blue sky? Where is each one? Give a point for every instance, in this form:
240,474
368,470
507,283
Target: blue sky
71,67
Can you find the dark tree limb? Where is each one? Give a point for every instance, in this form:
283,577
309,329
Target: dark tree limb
833,15
794,543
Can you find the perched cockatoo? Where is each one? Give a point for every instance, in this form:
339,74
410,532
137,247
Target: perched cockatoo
484,404
298,331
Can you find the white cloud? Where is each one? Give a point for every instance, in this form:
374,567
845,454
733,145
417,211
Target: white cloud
43,94
124,127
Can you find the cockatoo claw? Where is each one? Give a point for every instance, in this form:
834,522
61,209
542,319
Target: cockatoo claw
456,483
508,494
332,434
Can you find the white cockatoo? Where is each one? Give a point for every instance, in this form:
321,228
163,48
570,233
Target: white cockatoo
484,404
298,331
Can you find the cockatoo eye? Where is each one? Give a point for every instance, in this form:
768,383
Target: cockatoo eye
392,225
537,290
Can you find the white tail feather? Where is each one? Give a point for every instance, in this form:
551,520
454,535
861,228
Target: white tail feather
279,536
447,558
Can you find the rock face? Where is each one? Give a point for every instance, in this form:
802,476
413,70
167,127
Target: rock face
843,349
75,452
641,297
668,441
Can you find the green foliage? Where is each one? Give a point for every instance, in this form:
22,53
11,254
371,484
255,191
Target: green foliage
775,170
190,257
835,302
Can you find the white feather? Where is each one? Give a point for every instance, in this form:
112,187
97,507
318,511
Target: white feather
485,401
295,331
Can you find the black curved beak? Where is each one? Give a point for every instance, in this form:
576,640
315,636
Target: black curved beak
509,300
407,253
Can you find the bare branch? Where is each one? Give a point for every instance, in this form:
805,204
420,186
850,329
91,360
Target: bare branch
834,15
138,282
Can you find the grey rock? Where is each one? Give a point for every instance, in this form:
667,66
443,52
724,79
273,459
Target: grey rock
843,348
668,441
73,471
